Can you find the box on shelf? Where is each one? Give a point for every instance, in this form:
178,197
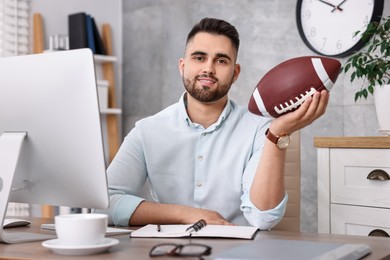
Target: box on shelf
102,88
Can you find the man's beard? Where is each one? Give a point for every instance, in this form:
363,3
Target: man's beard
205,94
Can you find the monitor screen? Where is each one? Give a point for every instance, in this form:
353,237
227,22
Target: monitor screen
52,98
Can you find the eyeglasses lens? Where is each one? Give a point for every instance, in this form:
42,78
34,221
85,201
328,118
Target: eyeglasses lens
180,250
164,249
194,250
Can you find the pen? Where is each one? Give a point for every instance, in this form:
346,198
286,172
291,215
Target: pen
158,228
197,226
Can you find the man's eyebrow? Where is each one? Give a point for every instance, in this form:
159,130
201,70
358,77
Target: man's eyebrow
223,55
198,53
219,55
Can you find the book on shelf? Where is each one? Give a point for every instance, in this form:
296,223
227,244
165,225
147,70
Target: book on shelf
97,39
83,33
90,33
77,31
220,231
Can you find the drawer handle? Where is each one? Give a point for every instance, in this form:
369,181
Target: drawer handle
378,175
378,233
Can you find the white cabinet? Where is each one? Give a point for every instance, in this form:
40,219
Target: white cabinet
354,185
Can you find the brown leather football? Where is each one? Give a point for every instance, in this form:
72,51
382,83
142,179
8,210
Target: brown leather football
285,87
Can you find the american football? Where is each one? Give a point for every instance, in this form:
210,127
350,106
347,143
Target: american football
285,87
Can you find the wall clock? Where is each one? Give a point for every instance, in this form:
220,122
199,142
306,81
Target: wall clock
328,26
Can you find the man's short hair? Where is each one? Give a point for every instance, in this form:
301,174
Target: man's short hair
216,26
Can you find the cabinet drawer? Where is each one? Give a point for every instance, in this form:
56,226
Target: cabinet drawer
349,169
354,220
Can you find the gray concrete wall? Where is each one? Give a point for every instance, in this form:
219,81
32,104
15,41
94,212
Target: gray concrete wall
154,35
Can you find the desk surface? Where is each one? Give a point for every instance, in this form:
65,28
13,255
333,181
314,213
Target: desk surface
138,248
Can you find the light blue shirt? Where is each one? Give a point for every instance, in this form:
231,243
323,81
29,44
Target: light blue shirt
187,164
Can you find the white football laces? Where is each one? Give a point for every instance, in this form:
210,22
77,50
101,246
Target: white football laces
292,104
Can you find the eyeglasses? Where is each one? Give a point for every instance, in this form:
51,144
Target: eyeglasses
187,250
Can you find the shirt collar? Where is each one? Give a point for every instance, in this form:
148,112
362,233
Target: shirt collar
183,112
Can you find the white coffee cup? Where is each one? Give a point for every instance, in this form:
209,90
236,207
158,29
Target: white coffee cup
81,229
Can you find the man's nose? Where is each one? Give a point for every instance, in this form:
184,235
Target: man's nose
209,67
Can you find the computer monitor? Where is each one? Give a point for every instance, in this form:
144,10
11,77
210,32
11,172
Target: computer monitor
51,147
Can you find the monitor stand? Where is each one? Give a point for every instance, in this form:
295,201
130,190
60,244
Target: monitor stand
10,148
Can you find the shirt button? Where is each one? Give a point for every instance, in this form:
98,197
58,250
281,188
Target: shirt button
199,184
200,158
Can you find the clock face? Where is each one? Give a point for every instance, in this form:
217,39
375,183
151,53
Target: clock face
328,26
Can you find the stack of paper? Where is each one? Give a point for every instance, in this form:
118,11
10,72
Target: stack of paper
14,27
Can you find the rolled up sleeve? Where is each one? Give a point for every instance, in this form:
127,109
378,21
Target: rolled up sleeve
264,220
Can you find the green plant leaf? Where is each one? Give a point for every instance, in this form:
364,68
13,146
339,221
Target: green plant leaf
371,89
357,96
372,62
353,75
364,93
347,67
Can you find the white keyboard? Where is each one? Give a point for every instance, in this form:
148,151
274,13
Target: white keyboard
110,230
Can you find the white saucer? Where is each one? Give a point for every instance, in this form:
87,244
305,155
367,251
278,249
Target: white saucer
384,131
56,247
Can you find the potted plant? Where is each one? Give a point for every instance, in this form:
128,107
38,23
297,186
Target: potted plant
372,64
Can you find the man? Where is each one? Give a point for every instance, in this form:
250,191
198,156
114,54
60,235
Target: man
205,157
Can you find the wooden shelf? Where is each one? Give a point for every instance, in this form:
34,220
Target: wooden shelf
102,83
105,58
111,111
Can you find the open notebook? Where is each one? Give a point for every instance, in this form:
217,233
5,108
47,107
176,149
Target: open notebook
295,250
223,231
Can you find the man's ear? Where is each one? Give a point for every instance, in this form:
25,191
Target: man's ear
237,70
181,66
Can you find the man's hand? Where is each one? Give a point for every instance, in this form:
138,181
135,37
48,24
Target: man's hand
158,213
211,217
306,114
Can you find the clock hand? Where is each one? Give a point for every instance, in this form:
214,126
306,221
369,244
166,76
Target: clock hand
332,5
322,1
338,6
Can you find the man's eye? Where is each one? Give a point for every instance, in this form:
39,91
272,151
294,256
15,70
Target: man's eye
198,58
222,61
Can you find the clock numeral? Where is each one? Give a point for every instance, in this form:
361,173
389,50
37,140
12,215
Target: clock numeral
306,15
366,20
313,32
339,45
324,40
